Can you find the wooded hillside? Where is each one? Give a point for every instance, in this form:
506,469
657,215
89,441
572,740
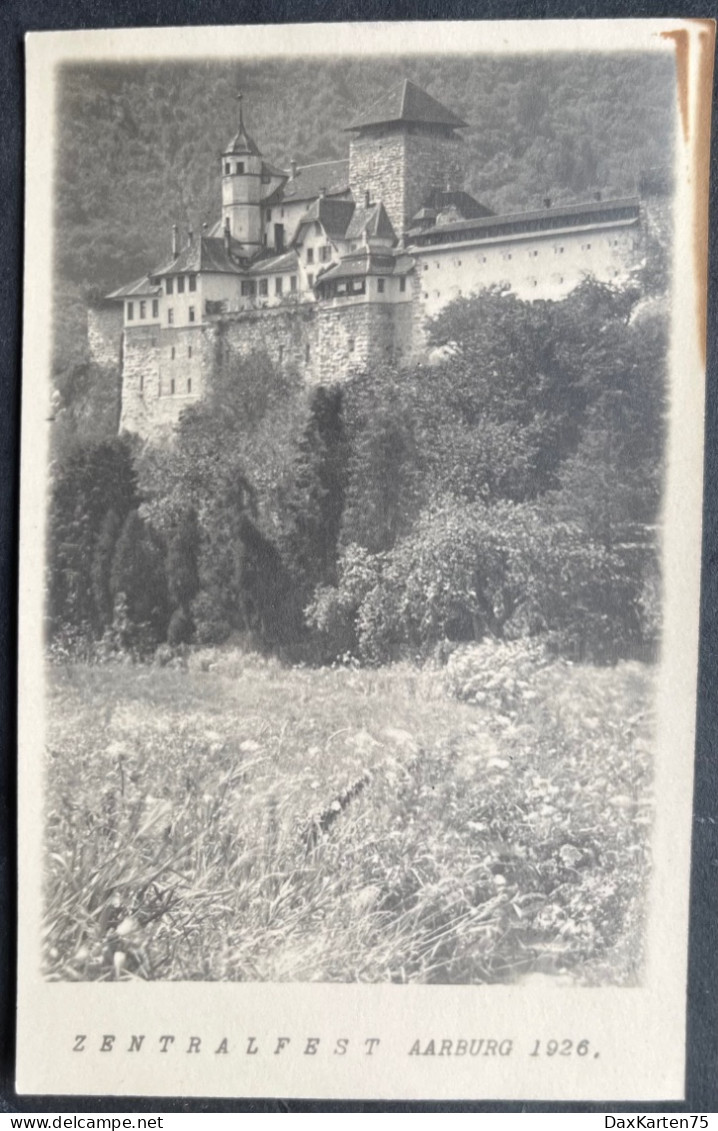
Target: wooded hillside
138,145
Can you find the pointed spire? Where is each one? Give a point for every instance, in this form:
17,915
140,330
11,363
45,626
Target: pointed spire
242,142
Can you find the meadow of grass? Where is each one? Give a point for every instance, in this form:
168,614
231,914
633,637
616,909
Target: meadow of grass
241,820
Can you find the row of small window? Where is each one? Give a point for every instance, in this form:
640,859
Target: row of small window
252,287
239,170
142,311
173,386
325,253
533,254
179,279
171,315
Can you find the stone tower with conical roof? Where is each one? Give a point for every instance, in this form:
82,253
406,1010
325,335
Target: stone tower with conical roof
404,147
241,189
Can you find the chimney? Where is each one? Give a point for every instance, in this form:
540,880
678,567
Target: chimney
175,240
293,167
547,202
367,198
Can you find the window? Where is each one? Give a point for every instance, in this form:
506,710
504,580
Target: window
402,283
507,255
249,287
350,345
269,214
380,286
278,285
142,382
143,309
130,311
310,280
310,255
170,316
533,254
172,385
189,351
190,313
558,250
325,253
240,167
189,384
264,286
193,282
180,284
281,354
293,283
426,266
227,168
172,354
307,352
169,285
155,308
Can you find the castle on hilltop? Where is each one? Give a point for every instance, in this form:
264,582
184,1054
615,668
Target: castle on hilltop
334,266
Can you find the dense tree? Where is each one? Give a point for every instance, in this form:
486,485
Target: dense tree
312,510
91,481
138,580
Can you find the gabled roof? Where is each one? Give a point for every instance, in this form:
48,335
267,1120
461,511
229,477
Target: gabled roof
360,263
208,253
287,261
466,205
406,102
310,180
590,213
140,288
333,215
372,220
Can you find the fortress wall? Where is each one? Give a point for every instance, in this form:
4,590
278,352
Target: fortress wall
286,334
104,335
355,336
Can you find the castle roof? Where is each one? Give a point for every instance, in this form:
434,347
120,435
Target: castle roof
544,220
334,216
287,261
358,264
310,181
207,253
371,220
242,143
466,205
140,288
407,103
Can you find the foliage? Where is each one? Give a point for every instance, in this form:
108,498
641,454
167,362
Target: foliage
93,480
139,581
258,823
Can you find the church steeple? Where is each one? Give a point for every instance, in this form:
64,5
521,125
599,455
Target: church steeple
241,187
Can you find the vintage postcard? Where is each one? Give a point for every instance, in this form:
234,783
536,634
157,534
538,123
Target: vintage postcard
363,386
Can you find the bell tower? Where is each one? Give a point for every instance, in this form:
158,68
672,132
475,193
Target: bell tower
241,188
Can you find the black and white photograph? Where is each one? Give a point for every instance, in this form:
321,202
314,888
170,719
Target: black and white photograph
358,512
